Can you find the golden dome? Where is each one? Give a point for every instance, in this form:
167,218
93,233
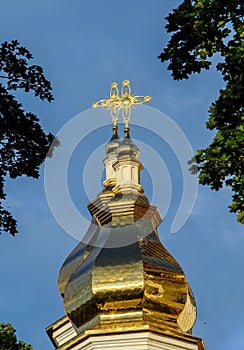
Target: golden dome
127,147
121,276
114,142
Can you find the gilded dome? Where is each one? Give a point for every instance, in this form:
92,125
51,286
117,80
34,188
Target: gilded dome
114,142
121,275
127,147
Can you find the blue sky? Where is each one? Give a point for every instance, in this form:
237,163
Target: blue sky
83,46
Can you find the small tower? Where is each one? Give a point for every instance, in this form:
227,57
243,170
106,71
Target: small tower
111,151
121,288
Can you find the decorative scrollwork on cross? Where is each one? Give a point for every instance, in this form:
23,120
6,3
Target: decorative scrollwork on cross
124,103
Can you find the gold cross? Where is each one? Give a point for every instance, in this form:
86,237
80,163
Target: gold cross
124,102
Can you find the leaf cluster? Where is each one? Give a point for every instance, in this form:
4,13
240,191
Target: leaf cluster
200,30
23,143
8,339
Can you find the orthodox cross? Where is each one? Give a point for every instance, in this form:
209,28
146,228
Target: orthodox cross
123,102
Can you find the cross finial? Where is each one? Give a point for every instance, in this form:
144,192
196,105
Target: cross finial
124,102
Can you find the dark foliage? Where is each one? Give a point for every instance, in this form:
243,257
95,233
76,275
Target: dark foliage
23,143
201,29
8,339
